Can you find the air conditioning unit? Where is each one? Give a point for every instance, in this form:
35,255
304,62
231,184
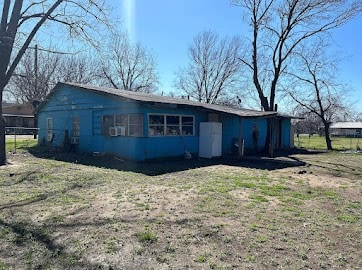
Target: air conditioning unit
121,130
117,131
113,131
74,140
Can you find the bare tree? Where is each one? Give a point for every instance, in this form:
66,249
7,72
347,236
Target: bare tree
78,69
278,28
213,69
33,77
21,21
129,66
308,123
39,71
317,90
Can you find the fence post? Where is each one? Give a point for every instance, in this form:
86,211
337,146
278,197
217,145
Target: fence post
14,140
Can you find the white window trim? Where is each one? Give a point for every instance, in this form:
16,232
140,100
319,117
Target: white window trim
129,125
165,125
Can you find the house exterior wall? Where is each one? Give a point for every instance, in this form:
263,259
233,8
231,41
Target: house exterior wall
88,108
286,129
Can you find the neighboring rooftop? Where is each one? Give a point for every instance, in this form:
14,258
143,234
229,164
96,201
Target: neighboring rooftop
347,125
150,98
17,110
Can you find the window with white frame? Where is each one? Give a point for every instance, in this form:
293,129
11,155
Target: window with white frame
170,125
156,125
187,125
123,125
135,125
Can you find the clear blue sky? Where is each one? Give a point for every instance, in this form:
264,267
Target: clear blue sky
168,26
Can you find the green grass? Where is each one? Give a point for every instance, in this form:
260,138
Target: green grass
347,218
258,198
2,266
146,236
63,215
318,142
20,145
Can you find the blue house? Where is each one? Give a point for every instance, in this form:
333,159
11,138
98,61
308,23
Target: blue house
140,126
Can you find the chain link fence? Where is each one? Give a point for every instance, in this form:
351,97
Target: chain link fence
19,138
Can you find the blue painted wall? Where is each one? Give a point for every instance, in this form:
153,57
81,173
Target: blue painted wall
69,102
231,133
286,130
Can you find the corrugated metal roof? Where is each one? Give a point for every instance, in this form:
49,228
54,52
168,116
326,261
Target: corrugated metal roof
347,125
156,99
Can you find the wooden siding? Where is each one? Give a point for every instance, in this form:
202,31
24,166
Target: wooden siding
286,130
89,107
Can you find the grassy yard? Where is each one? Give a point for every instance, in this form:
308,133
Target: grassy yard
20,144
56,213
318,142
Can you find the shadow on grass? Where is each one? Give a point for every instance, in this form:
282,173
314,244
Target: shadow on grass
39,240
24,232
27,234
38,198
169,165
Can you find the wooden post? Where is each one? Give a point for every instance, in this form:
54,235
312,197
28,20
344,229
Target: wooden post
14,139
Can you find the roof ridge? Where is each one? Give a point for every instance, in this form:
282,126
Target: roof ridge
152,98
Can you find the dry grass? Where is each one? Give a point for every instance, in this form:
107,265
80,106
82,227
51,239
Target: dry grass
183,215
319,142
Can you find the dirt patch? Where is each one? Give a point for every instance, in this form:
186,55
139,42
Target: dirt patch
202,215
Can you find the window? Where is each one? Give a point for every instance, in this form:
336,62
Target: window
156,125
135,125
49,123
107,122
76,127
187,125
170,125
123,125
49,128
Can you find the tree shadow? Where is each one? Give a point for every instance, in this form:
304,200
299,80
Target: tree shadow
25,177
24,231
38,198
169,165
27,234
57,255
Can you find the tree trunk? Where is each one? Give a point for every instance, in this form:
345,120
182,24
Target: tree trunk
2,137
327,136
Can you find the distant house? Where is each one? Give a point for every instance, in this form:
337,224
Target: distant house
19,117
140,126
347,129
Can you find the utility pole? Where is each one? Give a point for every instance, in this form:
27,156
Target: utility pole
36,65
35,84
